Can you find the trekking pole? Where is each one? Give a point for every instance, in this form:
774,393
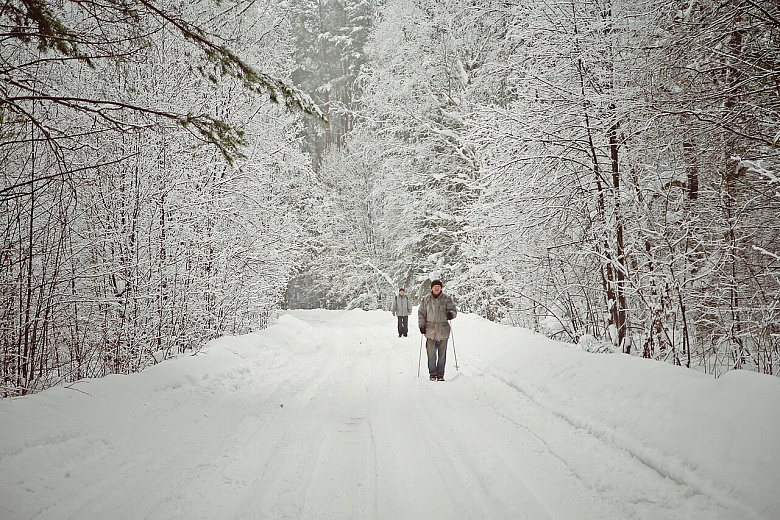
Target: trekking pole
452,333
419,360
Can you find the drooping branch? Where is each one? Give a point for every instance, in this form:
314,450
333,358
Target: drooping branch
34,21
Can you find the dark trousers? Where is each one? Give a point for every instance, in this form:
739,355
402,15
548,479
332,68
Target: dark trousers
403,325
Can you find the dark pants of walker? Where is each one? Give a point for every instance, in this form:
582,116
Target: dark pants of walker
436,348
403,325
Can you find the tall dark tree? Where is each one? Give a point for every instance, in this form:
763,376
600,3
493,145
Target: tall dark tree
330,36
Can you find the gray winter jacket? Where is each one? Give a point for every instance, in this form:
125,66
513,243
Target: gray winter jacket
432,315
401,306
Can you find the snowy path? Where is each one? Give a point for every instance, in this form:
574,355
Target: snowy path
323,418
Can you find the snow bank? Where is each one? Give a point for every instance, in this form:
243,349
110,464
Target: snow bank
718,435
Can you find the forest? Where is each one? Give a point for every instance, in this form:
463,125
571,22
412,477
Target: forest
604,172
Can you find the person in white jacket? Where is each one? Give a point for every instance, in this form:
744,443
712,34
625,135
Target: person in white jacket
402,308
436,309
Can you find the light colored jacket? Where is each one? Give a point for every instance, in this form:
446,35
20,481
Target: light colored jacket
401,305
432,315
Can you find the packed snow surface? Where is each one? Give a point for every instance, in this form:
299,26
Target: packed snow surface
322,416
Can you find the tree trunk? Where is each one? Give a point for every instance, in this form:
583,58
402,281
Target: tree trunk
621,267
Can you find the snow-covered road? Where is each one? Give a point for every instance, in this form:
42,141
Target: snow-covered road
323,417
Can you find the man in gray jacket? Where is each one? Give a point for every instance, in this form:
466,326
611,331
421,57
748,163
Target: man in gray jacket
402,308
436,309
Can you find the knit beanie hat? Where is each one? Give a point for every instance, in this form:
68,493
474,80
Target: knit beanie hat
437,282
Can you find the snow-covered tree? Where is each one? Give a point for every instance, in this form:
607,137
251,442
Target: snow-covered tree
416,88
330,36
126,238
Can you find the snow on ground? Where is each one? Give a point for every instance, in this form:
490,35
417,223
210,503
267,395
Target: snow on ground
322,416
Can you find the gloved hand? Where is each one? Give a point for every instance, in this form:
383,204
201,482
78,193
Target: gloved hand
450,315
422,330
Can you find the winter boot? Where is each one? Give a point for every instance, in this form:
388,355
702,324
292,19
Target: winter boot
440,378
433,377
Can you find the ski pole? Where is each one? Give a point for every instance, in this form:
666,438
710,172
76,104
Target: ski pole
419,360
452,334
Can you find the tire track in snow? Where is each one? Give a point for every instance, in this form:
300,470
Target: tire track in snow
697,498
